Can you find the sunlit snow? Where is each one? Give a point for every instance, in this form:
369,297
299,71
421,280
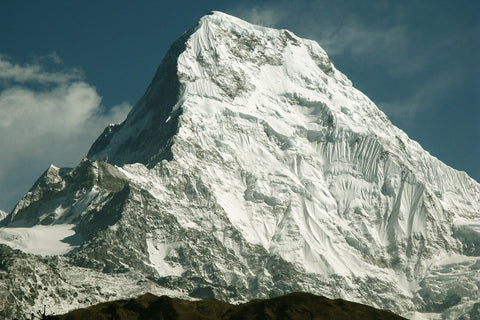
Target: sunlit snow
39,239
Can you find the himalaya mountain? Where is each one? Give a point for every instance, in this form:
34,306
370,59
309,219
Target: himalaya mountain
250,168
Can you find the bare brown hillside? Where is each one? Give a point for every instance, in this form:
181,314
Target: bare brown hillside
291,306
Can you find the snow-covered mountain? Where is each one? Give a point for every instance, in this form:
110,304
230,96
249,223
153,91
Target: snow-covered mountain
250,168
3,214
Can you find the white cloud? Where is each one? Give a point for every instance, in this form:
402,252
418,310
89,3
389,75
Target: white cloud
43,126
264,16
11,71
358,40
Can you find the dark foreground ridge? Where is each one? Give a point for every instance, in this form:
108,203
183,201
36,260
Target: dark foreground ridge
290,306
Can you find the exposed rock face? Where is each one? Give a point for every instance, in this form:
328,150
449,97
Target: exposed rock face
251,168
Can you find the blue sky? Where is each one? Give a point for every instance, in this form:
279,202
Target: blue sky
68,68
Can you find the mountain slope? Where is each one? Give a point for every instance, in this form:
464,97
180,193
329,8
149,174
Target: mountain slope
292,306
252,168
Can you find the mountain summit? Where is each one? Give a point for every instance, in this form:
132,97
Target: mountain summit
250,168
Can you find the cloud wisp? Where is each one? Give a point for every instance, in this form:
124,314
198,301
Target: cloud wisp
427,95
36,72
340,29
41,125
383,38
270,16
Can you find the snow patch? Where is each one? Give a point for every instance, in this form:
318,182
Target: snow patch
158,252
40,239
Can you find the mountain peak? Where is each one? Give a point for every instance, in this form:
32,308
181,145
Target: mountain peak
218,59
221,18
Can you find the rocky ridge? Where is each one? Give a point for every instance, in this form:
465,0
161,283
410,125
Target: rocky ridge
294,306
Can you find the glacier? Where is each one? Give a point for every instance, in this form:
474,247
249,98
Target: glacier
250,168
